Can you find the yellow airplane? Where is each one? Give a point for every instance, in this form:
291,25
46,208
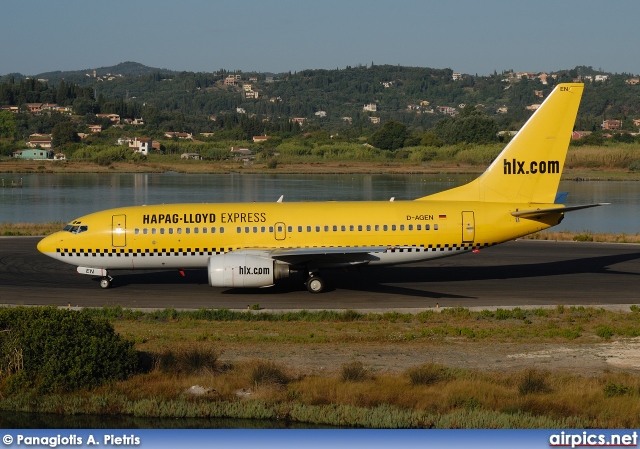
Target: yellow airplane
256,244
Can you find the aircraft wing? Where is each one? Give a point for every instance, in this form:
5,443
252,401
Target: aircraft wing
342,256
552,210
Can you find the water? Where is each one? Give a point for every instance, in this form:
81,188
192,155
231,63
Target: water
63,197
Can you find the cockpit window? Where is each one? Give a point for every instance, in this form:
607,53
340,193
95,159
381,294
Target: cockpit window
75,229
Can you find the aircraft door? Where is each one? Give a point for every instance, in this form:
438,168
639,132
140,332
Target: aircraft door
468,227
119,230
280,231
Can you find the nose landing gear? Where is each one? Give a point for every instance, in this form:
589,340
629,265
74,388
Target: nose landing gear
105,281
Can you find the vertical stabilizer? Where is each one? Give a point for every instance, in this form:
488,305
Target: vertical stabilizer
529,168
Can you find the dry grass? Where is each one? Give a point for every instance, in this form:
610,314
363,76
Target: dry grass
563,398
252,329
560,396
424,395
604,163
29,229
585,236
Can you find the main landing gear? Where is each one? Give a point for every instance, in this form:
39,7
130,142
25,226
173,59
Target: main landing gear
315,284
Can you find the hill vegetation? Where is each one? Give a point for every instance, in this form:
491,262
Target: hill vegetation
319,112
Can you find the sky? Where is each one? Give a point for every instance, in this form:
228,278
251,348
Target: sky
468,36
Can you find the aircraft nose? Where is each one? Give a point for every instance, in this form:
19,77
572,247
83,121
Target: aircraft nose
47,244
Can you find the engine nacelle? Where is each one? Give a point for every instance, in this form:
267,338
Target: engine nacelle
245,270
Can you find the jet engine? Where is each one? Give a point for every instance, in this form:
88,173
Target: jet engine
245,270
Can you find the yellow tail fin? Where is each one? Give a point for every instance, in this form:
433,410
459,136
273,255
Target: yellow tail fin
528,170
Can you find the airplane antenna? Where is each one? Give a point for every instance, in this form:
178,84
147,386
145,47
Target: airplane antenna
280,199
393,198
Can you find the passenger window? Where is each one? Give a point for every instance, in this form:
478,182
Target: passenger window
359,227
238,229
144,231
270,228
317,228
213,230
255,229
377,228
137,231
204,230
299,228
335,228
170,230
179,230
280,228
427,227
308,228
187,230
393,227
326,229
410,227
418,227
246,229
385,227
402,227
153,230
368,227
351,228
221,230
289,229
343,228
161,230
195,230
263,229
435,227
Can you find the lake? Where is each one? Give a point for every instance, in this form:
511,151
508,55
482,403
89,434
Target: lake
62,197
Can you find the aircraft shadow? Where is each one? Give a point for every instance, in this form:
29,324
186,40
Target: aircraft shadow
376,279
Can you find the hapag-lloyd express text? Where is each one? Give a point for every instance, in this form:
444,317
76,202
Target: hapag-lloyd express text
205,218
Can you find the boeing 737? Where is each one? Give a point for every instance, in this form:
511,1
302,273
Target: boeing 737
256,244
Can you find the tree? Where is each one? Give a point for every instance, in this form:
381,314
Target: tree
7,124
64,133
472,126
60,350
430,139
391,136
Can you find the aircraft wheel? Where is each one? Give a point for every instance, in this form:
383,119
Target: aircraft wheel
315,284
105,282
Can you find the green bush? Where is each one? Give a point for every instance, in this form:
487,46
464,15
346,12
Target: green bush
533,381
267,373
353,372
612,389
605,332
428,374
50,349
108,156
586,237
194,360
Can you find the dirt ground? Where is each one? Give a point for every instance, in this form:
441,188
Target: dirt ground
586,359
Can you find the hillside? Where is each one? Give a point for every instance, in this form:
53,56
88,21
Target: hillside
126,69
352,101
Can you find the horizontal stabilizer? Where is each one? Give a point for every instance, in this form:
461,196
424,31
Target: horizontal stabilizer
561,197
553,210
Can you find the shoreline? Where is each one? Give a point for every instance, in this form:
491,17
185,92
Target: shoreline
10,166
